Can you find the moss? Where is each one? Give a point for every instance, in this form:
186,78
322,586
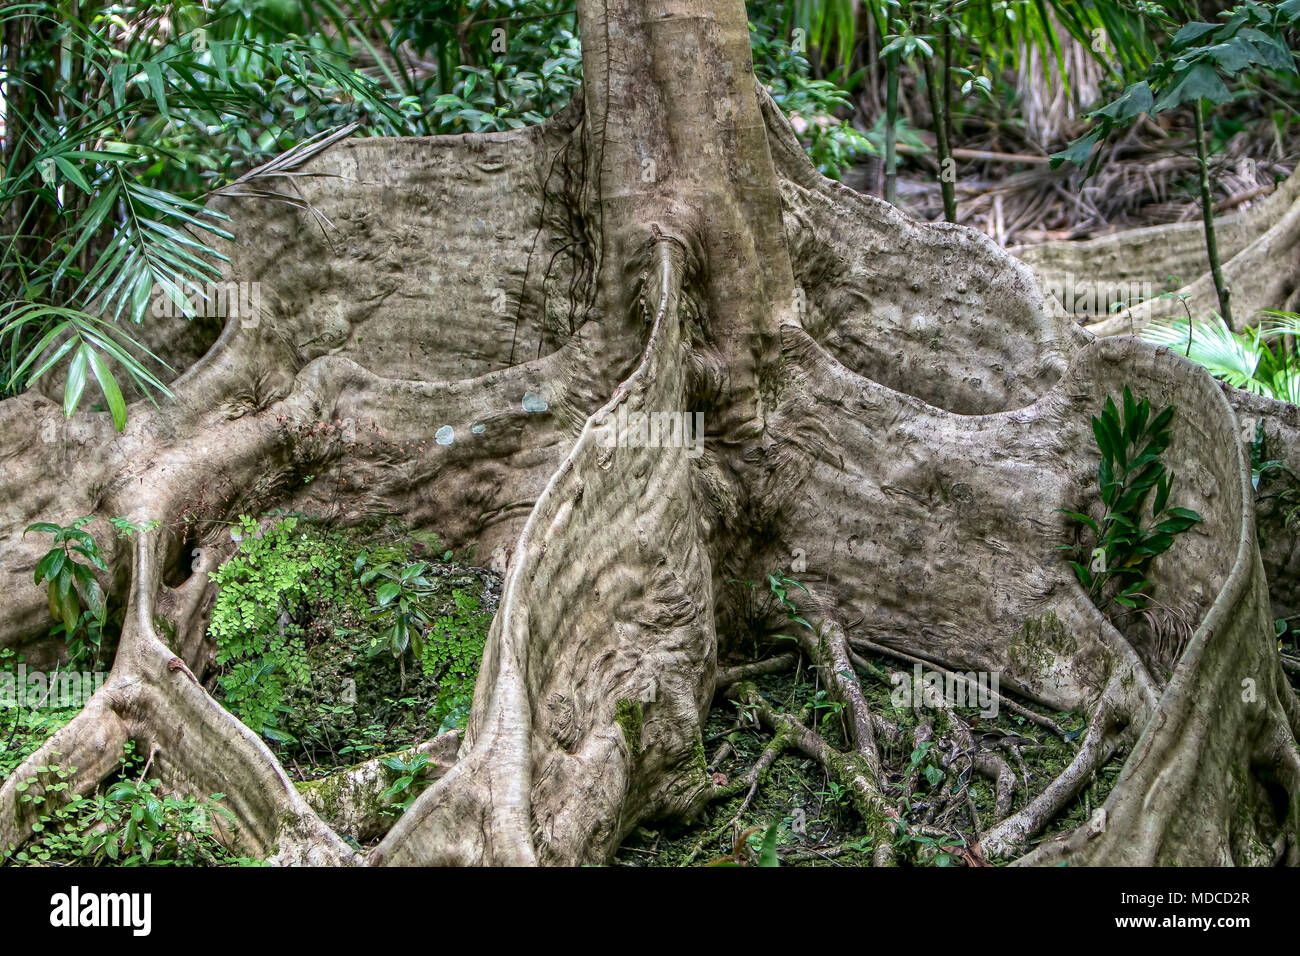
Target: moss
322,795
699,758
629,718
329,795
1041,639
167,628
428,540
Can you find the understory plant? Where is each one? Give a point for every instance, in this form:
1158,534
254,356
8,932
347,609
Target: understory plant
337,646
76,598
261,591
131,822
408,781
1260,359
25,723
1117,554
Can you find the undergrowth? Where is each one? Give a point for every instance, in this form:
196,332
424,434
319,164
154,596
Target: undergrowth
315,628
816,822
127,821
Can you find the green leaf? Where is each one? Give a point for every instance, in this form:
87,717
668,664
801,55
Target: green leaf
117,80
153,71
93,595
69,606
91,554
140,296
108,385
767,855
1163,487
1190,33
76,382
1103,439
388,592
74,174
1082,519
1077,152
50,565
1106,480
1137,99
1197,82
1161,423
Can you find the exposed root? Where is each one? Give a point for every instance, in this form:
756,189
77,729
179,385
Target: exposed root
1003,701
1099,745
772,665
851,771
351,801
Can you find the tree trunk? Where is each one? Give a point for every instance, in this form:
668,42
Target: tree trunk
891,399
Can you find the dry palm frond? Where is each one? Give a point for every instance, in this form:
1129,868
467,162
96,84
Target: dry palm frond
284,167
1049,106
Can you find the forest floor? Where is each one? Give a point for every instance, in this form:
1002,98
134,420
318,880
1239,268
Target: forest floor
1007,188
816,824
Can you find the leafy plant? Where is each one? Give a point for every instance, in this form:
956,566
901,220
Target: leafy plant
449,646
920,761
1197,68
133,822
1115,562
400,606
749,842
261,590
940,845
75,597
409,783
1246,359
828,709
779,586
121,123
767,855
316,631
832,143
453,651
126,527
32,725
1199,63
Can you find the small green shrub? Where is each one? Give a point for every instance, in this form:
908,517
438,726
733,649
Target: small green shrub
1114,563
131,822
76,599
833,144
256,620
409,782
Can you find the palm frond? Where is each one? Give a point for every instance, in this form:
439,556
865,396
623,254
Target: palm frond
1228,356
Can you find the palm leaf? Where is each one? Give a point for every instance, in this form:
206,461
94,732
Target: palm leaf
1228,356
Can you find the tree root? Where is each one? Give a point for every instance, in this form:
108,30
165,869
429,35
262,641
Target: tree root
889,400
1258,249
